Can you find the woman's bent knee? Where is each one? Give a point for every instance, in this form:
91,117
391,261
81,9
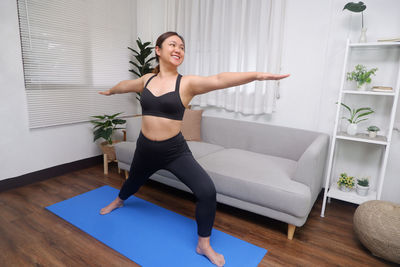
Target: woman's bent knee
208,194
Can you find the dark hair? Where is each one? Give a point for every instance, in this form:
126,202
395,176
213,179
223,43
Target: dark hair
159,42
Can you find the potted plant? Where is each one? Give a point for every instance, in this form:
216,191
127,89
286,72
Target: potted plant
104,127
357,8
373,130
345,183
361,76
362,186
143,65
355,117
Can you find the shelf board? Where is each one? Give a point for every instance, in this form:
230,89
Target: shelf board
352,196
375,44
355,92
362,137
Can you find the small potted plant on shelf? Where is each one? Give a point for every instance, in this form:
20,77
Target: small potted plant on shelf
362,186
361,76
355,117
373,130
345,183
104,127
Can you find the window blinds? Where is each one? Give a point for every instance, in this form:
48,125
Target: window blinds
71,50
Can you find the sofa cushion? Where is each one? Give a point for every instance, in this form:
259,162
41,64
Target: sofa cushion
133,126
260,179
201,149
277,141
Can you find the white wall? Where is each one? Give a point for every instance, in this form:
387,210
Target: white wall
314,40
23,150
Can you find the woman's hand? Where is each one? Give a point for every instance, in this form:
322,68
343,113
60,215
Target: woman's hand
262,76
107,93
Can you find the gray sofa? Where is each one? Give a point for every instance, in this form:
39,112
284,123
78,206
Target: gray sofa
270,170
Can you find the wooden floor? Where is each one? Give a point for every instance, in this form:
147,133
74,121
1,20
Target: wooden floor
32,236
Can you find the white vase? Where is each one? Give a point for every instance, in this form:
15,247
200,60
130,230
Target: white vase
372,134
363,35
352,129
362,190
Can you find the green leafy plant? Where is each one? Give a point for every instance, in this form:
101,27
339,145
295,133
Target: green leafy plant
363,182
357,114
361,75
346,181
357,8
105,126
373,128
143,65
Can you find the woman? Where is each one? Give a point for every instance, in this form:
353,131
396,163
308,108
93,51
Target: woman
160,145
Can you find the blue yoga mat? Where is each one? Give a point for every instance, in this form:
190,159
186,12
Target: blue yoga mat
148,234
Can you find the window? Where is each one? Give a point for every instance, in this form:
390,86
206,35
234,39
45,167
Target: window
72,50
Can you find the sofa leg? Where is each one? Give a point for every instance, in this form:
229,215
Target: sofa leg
105,163
290,232
126,175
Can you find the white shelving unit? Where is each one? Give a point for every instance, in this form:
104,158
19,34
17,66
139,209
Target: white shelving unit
389,63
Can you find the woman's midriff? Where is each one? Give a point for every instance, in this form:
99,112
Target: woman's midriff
159,128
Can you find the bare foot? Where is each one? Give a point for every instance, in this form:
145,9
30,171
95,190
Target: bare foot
214,257
117,203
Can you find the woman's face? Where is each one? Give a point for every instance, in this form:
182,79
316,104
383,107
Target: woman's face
172,51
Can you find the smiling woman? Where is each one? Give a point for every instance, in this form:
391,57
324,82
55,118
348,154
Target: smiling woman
176,41
161,144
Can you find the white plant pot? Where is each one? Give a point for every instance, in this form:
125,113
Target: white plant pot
352,129
362,87
372,134
344,188
362,190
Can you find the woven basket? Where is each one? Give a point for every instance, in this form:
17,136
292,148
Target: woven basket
377,225
108,149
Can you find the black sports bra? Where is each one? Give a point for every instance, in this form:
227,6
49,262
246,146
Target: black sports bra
168,105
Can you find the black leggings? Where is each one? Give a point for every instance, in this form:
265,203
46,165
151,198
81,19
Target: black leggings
175,156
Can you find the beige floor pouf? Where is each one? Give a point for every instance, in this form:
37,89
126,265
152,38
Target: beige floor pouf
377,225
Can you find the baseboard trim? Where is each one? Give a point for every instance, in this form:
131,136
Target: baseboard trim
51,172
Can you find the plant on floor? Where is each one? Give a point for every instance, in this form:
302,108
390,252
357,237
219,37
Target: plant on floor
106,125
143,65
361,75
345,181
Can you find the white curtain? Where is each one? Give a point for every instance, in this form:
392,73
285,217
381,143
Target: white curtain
231,36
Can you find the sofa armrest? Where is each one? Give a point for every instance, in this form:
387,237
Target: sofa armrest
133,127
311,165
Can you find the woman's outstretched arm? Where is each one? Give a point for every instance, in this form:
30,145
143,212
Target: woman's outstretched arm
128,86
201,85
